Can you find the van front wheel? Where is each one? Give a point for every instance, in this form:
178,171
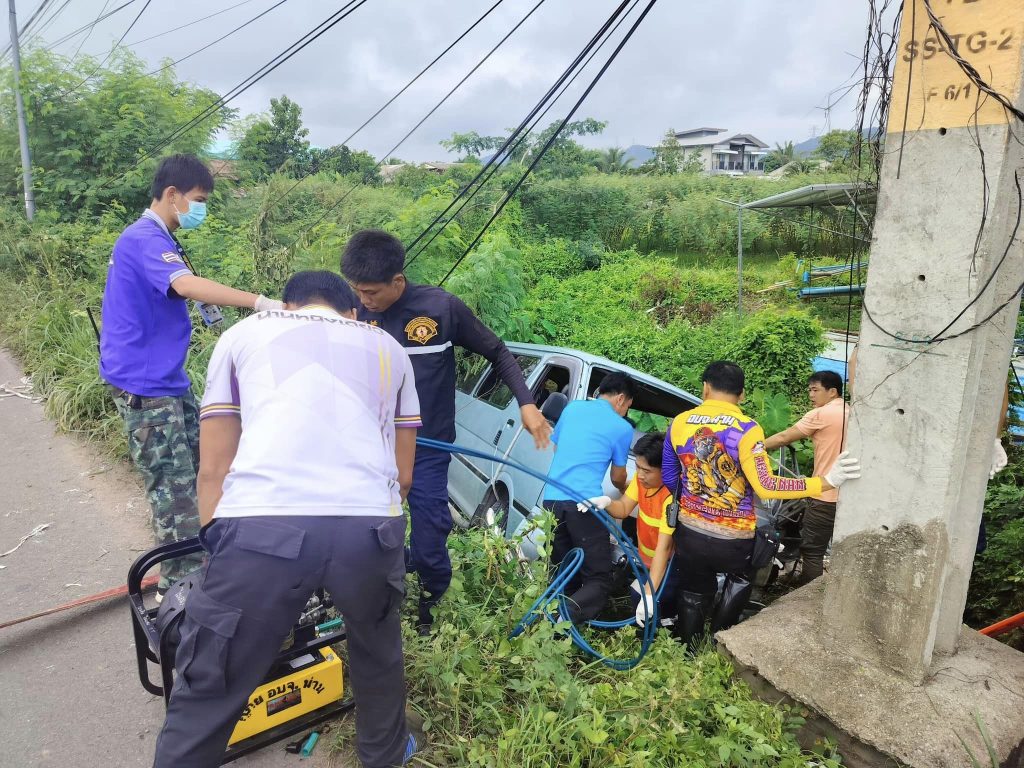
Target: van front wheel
493,510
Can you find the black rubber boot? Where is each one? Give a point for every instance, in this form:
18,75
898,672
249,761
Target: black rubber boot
425,618
735,596
693,612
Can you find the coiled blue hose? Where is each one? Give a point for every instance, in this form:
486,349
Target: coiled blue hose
571,565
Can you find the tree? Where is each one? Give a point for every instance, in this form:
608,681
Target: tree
778,157
471,143
613,160
671,157
89,125
837,148
269,145
340,159
564,158
801,166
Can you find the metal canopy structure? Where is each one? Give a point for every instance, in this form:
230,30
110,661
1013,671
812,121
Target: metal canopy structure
835,195
813,196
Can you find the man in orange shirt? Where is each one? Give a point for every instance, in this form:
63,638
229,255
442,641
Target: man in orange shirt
826,426
647,494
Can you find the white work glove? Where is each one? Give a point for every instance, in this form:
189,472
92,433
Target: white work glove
998,459
601,502
264,304
644,609
845,468
635,586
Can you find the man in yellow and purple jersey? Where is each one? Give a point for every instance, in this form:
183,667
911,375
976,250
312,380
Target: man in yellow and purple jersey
714,455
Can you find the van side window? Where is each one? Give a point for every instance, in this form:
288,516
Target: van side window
555,379
495,392
469,367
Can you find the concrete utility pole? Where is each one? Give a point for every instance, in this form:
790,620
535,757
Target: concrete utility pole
26,158
925,415
863,645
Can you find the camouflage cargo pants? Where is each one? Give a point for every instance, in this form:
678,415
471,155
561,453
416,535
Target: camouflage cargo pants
163,440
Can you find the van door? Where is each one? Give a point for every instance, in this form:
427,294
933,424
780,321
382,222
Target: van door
559,374
481,418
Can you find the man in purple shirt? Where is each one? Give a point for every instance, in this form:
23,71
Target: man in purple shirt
144,341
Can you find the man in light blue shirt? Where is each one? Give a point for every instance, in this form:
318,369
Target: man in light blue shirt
590,436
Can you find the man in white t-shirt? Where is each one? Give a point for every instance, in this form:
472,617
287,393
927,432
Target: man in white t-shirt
307,432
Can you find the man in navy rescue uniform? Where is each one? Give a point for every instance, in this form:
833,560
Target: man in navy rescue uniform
430,322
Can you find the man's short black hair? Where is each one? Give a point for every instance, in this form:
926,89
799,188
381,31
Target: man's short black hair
724,376
617,383
828,380
184,173
319,287
372,256
650,447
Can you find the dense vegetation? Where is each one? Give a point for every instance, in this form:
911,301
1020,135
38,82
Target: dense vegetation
638,266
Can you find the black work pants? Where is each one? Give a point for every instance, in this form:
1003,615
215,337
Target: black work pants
259,575
815,534
701,558
588,592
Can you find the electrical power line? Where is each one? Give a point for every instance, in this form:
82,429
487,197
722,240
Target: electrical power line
520,133
306,39
225,36
404,88
110,53
47,23
189,24
498,158
89,27
422,120
85,39
27,25
551,140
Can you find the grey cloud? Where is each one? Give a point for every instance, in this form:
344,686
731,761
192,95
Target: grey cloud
749,65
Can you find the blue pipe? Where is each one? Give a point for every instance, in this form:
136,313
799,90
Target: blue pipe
830,290
571,565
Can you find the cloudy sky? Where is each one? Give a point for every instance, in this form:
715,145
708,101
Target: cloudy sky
765,68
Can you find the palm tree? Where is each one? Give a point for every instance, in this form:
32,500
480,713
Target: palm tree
613,160
779,156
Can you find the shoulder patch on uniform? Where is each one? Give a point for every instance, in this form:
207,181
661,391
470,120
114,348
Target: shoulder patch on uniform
421,329
171,257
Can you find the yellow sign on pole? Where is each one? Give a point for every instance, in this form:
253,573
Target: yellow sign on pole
989,34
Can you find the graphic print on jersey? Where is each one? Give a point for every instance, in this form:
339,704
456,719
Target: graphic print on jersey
711,473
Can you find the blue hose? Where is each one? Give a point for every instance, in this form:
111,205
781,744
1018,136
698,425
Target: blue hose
571,565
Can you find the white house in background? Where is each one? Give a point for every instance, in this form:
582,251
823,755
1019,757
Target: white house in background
723,152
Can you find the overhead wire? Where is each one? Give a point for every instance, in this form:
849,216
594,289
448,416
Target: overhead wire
212,43
394,98
110,53
427,116
551,140
245,84
189,24
88,27
45,24
27,26
501,155
85,39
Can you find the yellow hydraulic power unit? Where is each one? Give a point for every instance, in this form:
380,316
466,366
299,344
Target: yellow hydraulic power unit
303,689
314,682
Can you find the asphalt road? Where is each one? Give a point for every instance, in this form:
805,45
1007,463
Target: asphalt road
70,694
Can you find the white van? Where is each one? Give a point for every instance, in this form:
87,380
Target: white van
487,419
